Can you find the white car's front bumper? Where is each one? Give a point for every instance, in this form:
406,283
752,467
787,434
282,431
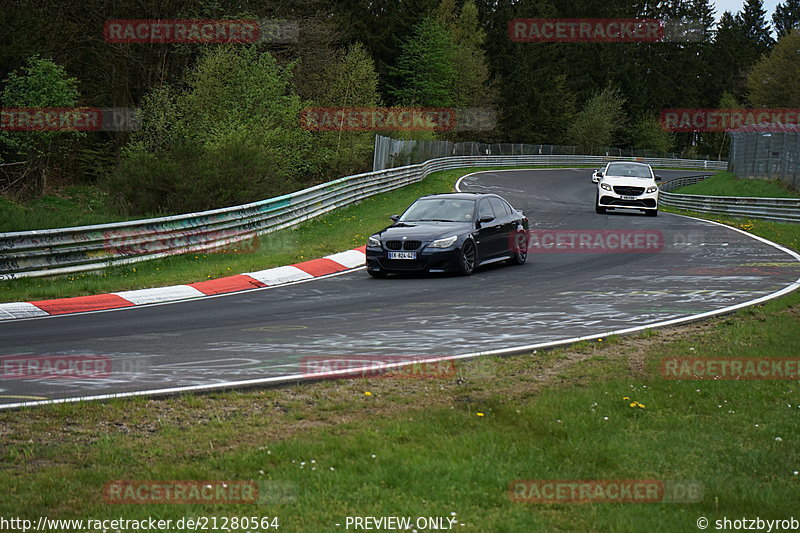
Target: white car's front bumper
621,197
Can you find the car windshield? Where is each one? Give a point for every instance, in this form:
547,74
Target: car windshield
633,171
440,210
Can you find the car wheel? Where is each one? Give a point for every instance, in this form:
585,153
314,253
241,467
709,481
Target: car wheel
597,209
379,274
520,250
469,255
652,212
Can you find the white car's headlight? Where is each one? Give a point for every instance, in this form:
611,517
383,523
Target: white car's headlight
651,189
372,241
605,186
443,243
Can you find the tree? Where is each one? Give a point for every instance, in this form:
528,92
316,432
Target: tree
229,135
775,80
425,71
729,63
39,83
350,81
752,20
647,134
598,123
786,17
472,83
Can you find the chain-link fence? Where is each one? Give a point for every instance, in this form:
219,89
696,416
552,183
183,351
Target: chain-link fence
391,153
766,151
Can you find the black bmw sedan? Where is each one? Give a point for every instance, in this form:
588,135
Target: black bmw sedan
454,232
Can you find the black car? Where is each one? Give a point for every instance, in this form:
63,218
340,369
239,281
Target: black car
454,232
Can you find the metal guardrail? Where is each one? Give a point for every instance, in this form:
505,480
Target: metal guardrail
78,249
391,152
683,181
777,209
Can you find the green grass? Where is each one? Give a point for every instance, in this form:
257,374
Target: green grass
727,184
73,206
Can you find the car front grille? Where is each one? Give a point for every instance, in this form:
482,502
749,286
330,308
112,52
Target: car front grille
403,245
629,191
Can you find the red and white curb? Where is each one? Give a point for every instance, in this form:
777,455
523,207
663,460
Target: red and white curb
315,268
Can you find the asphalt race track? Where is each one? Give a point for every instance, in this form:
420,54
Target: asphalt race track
269,333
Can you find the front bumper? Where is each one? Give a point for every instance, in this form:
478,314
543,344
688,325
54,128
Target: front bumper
428,260
613,200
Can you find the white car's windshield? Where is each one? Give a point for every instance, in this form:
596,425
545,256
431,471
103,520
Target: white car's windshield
633,171
441,209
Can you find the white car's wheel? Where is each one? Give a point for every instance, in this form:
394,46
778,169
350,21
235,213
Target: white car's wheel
597,209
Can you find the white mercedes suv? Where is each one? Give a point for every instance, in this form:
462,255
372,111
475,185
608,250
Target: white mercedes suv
627,185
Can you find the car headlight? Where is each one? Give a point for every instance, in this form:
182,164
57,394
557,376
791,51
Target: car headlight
372,241
443,243
651,189
605,186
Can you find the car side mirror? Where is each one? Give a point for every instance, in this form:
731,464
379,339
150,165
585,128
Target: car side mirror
599,174
394,218
659,178
486,218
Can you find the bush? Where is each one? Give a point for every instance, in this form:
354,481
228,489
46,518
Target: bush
194,177
230,136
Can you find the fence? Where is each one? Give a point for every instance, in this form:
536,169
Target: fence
777,209
390,153
767,151
68,250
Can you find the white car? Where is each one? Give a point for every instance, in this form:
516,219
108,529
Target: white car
627,185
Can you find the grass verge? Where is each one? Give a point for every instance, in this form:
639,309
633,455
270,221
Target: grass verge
727,184
72,206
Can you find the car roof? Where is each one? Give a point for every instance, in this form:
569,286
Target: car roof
460,195
628,163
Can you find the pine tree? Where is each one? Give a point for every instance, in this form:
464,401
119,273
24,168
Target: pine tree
729,62
752,20
471,85
786,17
425,70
